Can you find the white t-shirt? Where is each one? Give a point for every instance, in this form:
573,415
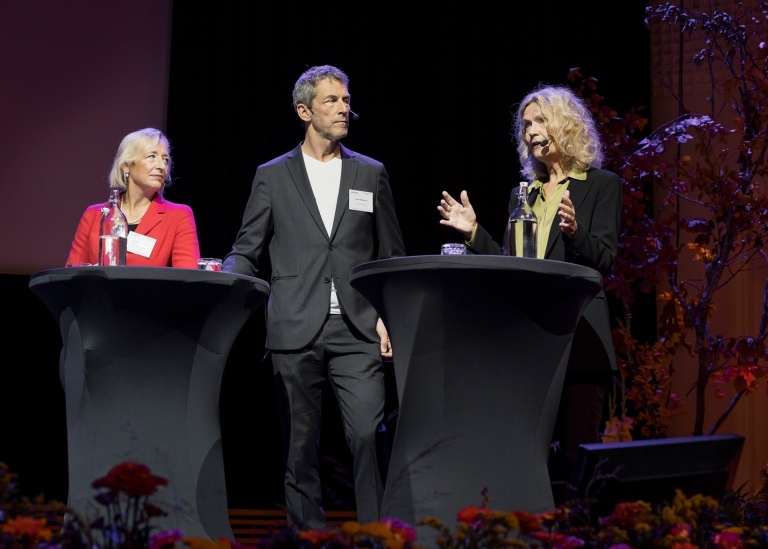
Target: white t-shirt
325,179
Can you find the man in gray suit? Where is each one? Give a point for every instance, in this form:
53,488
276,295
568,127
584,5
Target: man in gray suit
320,210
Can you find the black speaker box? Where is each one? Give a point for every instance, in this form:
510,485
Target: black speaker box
651,470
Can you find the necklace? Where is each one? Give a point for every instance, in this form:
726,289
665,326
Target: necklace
137,221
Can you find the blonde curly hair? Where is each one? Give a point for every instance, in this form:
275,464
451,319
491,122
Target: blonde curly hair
569,123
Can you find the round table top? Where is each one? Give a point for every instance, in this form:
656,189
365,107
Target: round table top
168,274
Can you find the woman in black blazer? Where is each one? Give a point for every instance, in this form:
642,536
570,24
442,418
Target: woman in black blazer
578,207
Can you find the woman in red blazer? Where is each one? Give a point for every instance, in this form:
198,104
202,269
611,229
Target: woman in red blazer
162,233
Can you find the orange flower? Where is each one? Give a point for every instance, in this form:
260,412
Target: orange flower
374,530
550,518
528,522
26,527
318,537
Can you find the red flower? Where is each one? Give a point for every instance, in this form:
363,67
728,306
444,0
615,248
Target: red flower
221,543
318,538
153,510
680,531
628,514
132,479
557,541
471,515
728,540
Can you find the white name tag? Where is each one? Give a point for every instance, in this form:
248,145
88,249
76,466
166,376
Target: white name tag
140,244
361,201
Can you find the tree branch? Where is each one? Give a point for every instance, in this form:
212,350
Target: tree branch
727,412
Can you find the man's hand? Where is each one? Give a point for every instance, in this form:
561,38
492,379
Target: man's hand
386,346
460,216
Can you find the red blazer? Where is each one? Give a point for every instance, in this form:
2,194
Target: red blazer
172,225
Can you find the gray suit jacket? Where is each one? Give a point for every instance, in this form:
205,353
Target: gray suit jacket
598,204
282,216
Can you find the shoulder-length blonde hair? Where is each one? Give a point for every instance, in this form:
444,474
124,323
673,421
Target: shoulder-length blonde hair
133,147
569,123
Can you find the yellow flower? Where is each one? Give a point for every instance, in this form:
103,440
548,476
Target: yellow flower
689,509
618,430
643,528
670,517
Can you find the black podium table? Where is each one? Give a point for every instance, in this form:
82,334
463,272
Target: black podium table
144,351
480,345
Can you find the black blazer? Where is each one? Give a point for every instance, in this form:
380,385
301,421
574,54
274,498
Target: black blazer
282,216
598,204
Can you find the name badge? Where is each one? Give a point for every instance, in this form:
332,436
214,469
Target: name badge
361,201
140,244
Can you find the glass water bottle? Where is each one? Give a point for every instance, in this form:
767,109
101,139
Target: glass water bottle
113,233
522,230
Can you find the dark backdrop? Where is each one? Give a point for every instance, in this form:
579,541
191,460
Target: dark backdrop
433,88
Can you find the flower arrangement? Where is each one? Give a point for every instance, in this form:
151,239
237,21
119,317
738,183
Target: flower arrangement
127,522
695,522
24,522
125,492
483,527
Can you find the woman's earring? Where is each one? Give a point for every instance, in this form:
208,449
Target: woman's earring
125,176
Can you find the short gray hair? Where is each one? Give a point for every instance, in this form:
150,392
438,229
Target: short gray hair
304,91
